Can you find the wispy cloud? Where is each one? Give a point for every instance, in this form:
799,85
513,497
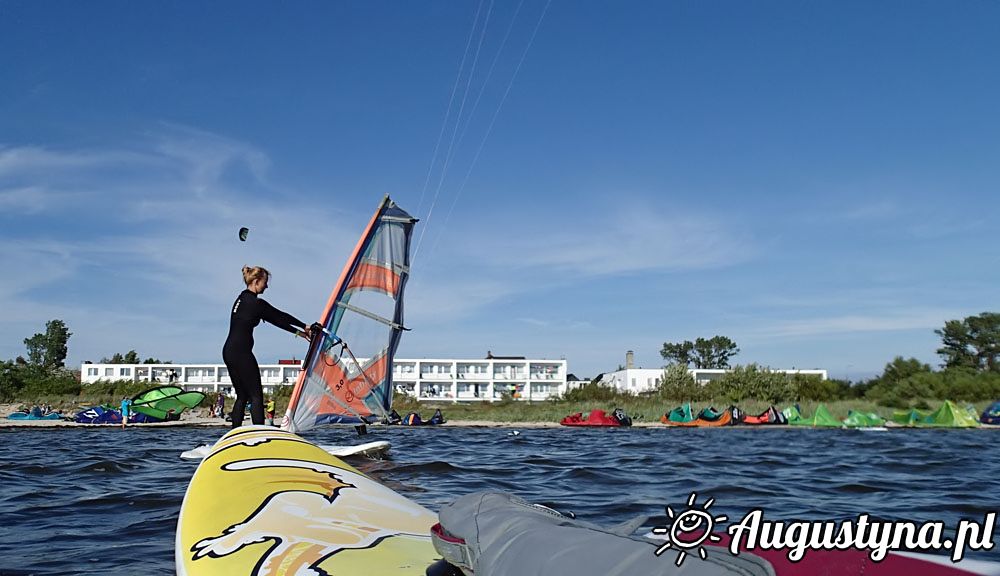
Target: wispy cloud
164,260
620,241
31,264
508,258
207,156
50,163
927,215
26,200
499,261
891,321
884,209
439,297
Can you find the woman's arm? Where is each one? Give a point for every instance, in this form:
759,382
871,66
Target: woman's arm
282,320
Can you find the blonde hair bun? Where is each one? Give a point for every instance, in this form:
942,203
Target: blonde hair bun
250,274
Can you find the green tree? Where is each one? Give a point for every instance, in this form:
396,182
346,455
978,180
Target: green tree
810,387
47,352
902,380
11,380
678,384
57,383
130,357
594,392
971,343
714,352
678,353
900,369
753,382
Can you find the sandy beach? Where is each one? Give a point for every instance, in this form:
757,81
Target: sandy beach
219,423
196,421
197,417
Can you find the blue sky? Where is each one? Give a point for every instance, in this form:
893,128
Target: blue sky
816,181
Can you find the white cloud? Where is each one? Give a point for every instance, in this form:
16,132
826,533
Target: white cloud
622,241
485,261
435,297
207,156
894,321
873,210
44,162
31,264
26,200
165,264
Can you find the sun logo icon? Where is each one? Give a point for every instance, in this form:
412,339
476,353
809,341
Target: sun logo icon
689,529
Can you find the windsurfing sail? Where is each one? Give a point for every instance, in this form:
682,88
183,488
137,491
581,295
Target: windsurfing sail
165,402
347,372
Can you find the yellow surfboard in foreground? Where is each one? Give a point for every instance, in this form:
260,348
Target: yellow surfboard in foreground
267,502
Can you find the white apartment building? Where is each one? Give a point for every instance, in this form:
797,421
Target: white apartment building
435,379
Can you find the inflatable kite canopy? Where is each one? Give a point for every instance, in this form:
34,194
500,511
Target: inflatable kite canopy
166,402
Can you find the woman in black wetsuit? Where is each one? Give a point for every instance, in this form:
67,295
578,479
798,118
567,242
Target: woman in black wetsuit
248,311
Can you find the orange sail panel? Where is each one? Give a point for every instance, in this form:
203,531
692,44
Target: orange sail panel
349,392
375,277
347,373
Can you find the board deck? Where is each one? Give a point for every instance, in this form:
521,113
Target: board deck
370,449
266,501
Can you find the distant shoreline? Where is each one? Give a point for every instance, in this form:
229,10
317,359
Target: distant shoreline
200,421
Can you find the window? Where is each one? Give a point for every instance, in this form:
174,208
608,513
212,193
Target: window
125,372
91,371
109,371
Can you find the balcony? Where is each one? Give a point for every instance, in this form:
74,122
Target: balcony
474,392
436,376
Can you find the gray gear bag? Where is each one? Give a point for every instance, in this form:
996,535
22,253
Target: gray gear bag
498,534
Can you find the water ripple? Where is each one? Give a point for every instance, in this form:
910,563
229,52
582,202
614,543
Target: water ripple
94,493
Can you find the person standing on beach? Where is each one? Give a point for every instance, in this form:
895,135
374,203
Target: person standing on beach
247,312
269,411
126,411
220,406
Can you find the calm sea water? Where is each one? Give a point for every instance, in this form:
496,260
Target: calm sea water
89,501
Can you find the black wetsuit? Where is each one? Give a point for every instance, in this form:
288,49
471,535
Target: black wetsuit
248,311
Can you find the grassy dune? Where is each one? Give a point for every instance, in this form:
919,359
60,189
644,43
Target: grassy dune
640,409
